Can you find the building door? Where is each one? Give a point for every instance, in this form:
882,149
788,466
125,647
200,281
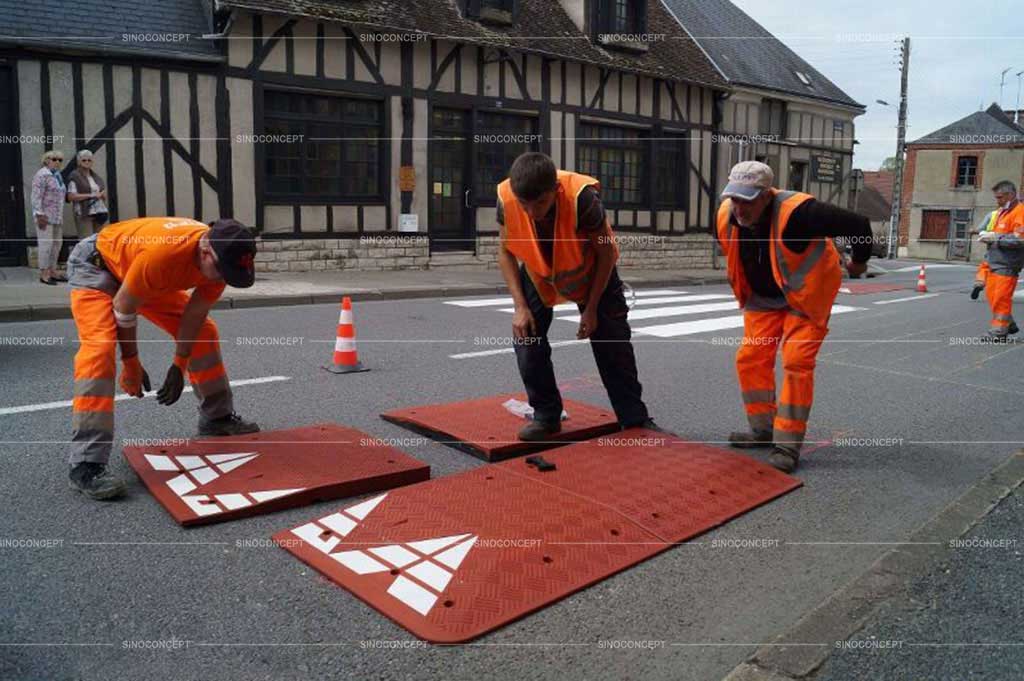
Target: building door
959,236
451,216
12,228
797,176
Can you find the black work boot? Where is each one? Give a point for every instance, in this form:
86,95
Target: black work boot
1013,328
95,481
784,459
232,424
758,438
976,291
538,431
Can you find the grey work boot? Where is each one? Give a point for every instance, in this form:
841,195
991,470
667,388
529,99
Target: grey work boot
95,481
538,431
752,440
232,424
784,459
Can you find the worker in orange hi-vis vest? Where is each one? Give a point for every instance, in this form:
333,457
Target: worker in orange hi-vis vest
553,222
146,266
785,271
1005,258
981,274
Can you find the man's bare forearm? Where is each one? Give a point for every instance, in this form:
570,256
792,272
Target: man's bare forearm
192,319
605,254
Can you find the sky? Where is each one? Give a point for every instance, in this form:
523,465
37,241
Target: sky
958,50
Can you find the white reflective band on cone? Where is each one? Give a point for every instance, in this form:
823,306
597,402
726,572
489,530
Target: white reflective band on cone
345,345
345,317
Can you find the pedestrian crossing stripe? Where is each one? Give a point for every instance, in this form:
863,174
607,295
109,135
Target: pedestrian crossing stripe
198,470
649,305
423,568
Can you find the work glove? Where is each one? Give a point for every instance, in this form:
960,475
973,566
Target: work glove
174,383
134,379
987,237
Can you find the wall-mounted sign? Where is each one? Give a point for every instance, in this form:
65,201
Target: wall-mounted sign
408,222
406,178
824,168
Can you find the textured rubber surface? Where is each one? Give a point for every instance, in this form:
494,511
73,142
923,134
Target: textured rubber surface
486,429
456,557
218,479
855,289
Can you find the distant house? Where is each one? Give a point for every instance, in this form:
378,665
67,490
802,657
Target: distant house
370,134
947,183
780,110
874,201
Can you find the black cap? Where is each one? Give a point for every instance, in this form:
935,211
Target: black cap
235,247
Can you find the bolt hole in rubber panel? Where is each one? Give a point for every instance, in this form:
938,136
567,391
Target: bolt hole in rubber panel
459,556
226,478
485,429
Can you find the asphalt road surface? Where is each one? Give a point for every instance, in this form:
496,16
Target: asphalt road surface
909,412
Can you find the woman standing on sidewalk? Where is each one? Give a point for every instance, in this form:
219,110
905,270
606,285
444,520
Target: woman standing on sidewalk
88,194
48,193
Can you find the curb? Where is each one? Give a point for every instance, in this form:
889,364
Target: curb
845,612
35,313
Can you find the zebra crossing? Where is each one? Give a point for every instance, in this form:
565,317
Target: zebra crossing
655,313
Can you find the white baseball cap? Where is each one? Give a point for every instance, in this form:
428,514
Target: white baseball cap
747,180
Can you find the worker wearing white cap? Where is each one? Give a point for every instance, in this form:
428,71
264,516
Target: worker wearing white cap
785,271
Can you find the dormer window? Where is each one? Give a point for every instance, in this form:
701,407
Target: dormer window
621,23
489,11
804,79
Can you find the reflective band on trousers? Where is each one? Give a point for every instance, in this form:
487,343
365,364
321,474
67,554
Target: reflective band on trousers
788,439
205,362
758,396
794,412
761,423
102,421
94,387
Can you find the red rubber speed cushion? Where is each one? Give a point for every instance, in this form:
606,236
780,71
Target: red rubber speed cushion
226,478
456,557
486,429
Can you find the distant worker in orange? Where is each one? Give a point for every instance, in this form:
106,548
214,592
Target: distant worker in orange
1005,258
981,274
147,266
785,271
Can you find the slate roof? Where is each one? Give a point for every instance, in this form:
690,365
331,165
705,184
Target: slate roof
992,124
872,205
98,27
541,26
747,54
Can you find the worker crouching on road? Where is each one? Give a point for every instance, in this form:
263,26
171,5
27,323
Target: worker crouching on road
785,271
146,266
1005,257
554,223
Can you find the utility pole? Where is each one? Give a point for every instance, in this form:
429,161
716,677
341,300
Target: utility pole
1002,82
1016,110
901,140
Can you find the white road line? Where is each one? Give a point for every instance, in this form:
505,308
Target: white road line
43,406
935,266
566,307
714,324
903,300
676,311
507,351
487,302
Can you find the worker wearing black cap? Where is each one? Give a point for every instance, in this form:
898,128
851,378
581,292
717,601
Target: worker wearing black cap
147,266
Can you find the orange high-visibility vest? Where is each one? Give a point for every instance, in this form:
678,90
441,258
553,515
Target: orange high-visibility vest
571,270
1009,221
809,280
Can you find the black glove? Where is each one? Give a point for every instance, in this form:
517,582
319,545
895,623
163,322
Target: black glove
170,391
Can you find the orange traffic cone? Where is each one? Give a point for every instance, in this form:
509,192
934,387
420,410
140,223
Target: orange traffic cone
922,283
346,358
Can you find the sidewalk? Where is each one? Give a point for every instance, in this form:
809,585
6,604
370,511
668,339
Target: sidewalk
23,298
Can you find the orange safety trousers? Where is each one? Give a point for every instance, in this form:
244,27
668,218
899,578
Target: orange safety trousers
981,276
763,332
999,291
95,367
